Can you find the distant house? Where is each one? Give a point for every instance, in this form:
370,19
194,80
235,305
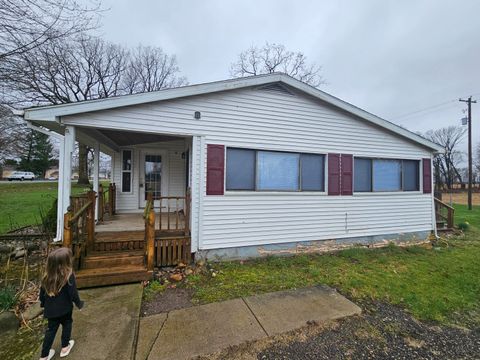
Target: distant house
52,173
7,170
273,164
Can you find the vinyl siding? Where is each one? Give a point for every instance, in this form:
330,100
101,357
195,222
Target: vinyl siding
259,119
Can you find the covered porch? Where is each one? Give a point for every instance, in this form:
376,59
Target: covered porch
142,219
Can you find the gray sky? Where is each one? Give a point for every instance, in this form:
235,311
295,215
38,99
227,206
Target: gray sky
388,57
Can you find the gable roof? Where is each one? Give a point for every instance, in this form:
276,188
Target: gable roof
53,112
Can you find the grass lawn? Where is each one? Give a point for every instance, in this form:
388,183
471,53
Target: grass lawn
433,284
22,203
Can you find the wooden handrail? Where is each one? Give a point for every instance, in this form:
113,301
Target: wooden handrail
80,212
174,221
79,229
449,218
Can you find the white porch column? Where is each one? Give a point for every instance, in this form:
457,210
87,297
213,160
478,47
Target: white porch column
61,167
67,166
96,174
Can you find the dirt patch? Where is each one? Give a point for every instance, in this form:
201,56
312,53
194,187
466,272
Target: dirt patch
383,331
168,300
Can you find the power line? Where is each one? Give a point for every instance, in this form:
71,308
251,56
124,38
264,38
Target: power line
428,109
409,114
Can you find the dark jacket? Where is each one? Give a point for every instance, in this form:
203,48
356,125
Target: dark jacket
62,303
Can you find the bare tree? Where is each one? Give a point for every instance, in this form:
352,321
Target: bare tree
150,69
272,58
27,24
12,133
447,163
83,69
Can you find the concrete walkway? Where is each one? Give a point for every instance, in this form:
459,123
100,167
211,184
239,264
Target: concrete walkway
201,330
107,326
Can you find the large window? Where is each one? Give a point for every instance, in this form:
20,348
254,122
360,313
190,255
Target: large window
126,171
274,171
386,175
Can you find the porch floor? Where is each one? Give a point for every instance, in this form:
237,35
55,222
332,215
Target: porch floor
135,222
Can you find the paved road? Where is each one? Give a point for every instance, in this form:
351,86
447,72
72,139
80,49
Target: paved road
27,181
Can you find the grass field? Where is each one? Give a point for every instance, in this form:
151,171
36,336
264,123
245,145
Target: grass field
439,284
22,203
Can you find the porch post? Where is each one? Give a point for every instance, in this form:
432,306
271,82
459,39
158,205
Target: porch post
61,167
67,166
96,170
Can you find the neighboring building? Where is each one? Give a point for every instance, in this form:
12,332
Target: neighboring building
273,164
52,173
7,170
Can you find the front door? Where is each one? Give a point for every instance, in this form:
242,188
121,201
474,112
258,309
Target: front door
152,179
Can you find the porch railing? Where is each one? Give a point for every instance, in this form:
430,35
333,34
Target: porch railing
107,200
170,243
174,214
149,217
79,228
444,213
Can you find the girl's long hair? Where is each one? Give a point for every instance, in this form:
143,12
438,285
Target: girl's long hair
58,270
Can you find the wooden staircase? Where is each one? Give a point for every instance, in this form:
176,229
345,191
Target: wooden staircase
117,258
444,215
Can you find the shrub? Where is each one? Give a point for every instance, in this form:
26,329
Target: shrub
49,219
463,226
8,297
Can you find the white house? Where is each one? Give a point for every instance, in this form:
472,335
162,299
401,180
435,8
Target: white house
274,165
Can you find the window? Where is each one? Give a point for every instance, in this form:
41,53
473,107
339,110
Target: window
126,171
386,175
363,175
313,172
411,175
277,171
274,171
241,169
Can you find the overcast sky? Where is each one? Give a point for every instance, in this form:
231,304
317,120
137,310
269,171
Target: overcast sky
392,58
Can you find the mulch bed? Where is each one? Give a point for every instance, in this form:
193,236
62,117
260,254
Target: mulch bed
168,300
383,331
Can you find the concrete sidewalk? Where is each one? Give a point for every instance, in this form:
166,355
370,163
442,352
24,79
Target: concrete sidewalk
107,326
201,330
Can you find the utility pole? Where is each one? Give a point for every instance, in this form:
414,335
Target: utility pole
469,101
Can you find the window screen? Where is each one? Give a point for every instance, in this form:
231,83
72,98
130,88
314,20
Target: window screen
240,169
277,171
411,176
362,175
313,172
387,175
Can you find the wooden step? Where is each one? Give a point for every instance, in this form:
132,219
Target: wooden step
112,275
120,235
102,259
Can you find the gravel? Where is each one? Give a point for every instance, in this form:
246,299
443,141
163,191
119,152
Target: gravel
383,331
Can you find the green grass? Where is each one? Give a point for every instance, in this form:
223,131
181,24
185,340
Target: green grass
462,214
433,284
22,203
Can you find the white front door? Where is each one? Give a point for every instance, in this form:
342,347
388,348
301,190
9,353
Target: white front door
153,175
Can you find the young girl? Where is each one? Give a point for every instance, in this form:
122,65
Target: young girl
57,295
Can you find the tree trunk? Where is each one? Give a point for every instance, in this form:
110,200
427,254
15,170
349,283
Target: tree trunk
83,165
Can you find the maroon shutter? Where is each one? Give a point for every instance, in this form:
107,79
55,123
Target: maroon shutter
333,174
347,174
427,176
215,169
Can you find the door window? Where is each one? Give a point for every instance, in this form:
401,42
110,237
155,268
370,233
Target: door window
153,175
